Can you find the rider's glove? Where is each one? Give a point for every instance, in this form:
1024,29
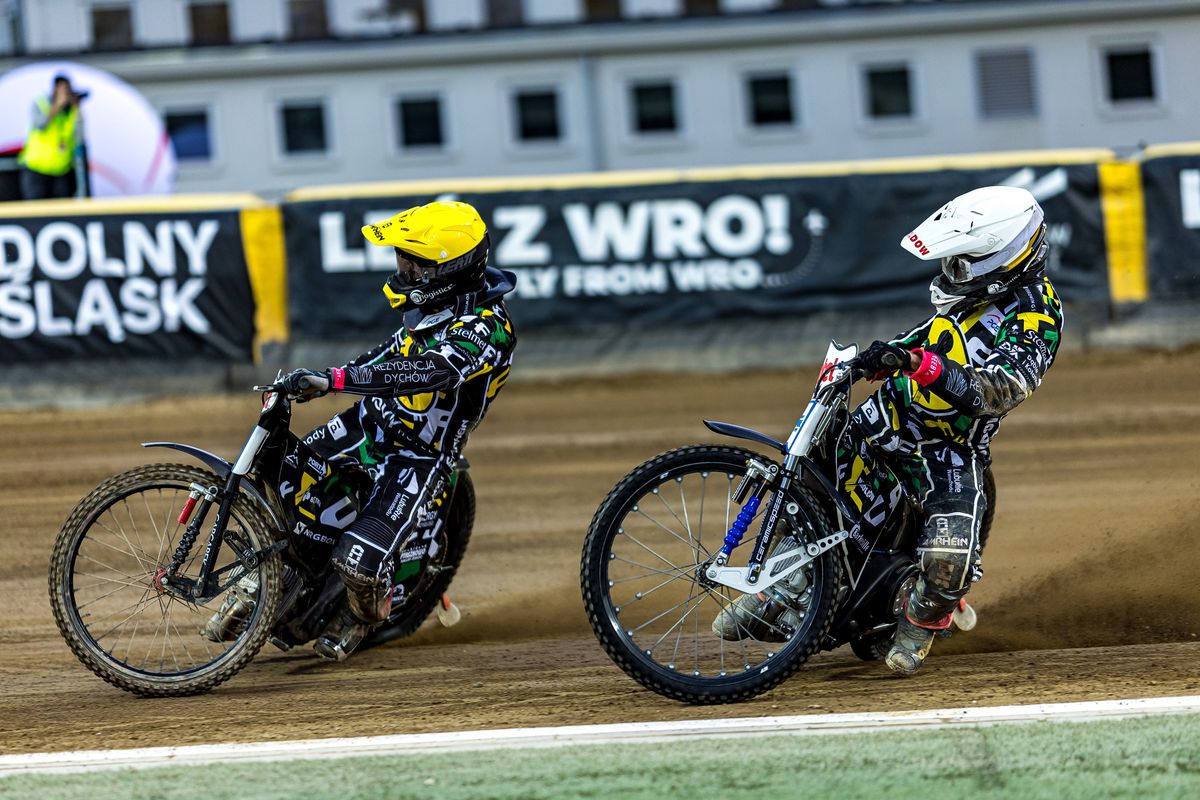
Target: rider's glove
304,384
882,359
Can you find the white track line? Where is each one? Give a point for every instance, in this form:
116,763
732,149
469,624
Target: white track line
407,744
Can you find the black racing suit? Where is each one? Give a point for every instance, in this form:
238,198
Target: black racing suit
424,389
933,429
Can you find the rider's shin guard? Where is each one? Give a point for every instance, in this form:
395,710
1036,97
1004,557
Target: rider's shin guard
365,568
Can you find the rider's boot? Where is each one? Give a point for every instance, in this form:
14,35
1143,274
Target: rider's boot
367,605
343,635
913,640
230,619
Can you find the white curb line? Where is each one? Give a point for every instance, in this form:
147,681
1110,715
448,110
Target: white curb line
407,744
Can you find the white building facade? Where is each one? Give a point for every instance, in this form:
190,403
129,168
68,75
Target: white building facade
268,95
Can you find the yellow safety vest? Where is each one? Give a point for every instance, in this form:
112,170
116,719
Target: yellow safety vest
51,150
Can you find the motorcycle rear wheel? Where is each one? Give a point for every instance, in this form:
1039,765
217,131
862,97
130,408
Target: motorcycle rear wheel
653,614
104,588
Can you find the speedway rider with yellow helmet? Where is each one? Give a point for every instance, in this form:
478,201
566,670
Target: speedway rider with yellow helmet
993,336
424,389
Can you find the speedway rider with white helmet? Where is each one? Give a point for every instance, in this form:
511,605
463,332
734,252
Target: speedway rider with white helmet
424,389
992,338
995,333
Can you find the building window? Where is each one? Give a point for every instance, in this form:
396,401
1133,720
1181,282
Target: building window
537,116
888,92
210,22
112,27
701,8
654,108
505,13
602,10
419,122
308,19
303,127
770,100
190,134
408,15
1129,74
1005,85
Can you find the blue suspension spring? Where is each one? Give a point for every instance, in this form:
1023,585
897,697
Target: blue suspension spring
734,537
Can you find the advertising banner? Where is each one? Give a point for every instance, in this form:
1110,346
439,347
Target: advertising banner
614,251
1171,188
135,284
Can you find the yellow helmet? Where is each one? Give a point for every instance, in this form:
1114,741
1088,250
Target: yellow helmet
441,252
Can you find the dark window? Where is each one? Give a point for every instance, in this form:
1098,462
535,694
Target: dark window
654,108
770,100
505,13
602,10
889,92
303,128
1004,81
1130,75
410,14
308,19
112,28
189,133
537,116
210,23
696,8
419,121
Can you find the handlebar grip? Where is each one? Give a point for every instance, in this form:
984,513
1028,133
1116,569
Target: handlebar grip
893,361
306,383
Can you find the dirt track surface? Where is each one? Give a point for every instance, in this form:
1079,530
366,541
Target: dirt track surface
1093,549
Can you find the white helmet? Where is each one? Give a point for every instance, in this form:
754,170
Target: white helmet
985,239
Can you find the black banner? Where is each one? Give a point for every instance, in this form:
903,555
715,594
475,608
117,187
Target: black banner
650,255
124,286
1171,191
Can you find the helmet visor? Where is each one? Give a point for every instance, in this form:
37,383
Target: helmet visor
409,274
958,269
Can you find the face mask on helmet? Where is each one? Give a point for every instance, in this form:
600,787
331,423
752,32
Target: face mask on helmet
404,286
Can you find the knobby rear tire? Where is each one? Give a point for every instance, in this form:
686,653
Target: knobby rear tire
597,552
245,517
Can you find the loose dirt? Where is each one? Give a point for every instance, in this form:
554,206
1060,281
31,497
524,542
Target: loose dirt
1089,588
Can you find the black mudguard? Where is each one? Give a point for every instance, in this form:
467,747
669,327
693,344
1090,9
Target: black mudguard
222,468
738,432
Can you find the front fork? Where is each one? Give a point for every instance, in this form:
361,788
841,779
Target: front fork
760,479
207,583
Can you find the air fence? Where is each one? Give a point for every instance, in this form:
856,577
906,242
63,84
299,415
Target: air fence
608,257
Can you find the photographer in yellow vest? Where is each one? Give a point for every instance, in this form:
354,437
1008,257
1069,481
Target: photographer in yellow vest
49,154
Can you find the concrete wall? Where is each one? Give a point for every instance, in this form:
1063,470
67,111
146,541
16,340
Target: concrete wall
476,74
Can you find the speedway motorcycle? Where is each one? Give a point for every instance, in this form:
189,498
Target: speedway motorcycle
166,580
667,555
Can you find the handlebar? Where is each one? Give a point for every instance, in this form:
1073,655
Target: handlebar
857,373
305,383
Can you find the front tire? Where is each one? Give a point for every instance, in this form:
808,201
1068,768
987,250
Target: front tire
131,632
651,612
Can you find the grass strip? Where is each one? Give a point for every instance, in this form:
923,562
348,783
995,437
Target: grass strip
1156,757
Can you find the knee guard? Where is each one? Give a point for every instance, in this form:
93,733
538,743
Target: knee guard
366,572
944,580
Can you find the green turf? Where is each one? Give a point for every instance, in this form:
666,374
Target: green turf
1139,758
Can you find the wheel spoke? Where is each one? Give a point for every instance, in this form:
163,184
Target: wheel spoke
677,623
664,527
141,555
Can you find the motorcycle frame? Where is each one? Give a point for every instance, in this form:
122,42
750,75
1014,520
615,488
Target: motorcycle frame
274,421
889,564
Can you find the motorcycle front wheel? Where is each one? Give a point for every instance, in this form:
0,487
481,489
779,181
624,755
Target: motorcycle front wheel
118,617
656,616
